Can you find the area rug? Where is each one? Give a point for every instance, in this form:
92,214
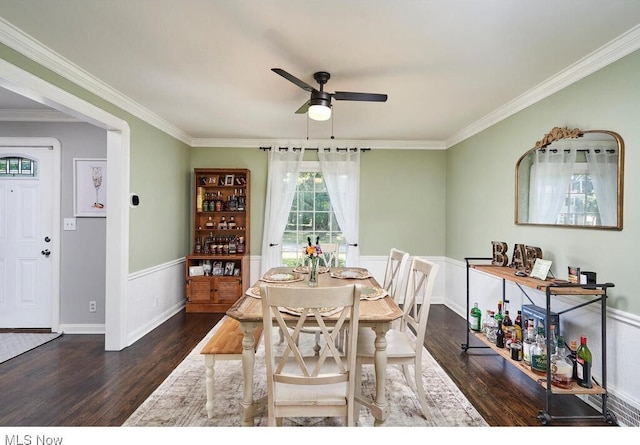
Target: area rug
180,399
13,344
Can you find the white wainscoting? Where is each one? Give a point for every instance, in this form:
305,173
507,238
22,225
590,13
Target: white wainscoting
155,295
623,360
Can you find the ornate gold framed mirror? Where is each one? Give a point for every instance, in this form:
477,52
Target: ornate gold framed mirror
571,178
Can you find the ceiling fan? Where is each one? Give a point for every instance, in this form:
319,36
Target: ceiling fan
319,105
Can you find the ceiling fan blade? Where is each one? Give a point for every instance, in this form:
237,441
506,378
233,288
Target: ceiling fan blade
294,79
303,109
365,97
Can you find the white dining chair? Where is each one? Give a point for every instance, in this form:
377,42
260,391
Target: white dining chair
395,272
303,385
404,344
330,253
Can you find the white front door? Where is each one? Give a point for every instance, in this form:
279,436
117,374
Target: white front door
28,244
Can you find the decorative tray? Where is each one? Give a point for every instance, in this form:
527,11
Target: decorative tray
305,269
353,273
282,277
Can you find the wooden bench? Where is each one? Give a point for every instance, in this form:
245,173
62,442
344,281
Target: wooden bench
225,344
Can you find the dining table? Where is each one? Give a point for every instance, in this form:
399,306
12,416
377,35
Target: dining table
378,310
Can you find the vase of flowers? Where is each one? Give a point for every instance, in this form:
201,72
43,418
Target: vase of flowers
312,253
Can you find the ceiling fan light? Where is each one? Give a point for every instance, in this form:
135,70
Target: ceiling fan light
319,112
319,109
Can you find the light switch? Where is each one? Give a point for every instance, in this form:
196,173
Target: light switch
69,224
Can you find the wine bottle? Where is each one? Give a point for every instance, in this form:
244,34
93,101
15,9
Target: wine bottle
475,318
499,336
583,364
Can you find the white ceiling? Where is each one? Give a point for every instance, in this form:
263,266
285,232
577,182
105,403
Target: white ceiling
204,67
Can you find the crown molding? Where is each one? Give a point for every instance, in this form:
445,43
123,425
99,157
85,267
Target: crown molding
379,144
622,46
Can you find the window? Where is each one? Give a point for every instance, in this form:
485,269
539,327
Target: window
311,215
580,203
17,167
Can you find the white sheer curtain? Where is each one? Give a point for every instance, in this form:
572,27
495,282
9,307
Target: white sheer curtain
602,165
283,170
341,173
550,178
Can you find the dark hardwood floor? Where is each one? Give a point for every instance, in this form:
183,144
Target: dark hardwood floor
72,381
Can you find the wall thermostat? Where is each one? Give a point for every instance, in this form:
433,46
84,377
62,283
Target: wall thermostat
134,200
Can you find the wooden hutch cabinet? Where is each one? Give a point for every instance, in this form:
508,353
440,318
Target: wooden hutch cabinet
217,270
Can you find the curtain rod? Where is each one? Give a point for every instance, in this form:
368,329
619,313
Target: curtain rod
585,150
316,149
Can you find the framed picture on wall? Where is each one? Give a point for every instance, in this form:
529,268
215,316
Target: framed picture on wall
89,187
228,180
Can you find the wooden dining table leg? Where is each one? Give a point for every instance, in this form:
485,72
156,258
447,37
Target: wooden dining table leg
380,407
247,405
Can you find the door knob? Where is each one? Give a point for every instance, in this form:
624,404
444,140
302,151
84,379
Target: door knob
46,252
47,239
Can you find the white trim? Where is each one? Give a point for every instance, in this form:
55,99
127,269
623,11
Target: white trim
19,115
118,136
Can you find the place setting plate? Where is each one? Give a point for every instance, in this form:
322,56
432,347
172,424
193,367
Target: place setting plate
282,277
305,269
324,312
354,273
254,291
372,293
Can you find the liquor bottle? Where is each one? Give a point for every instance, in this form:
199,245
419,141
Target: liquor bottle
218,202
507,319
231,225
198,246
209,223
492,327
485,320
222,225
518,321
583,364
498,315
561,366
539,353
528,343
499,335
573,356
206,203
475,316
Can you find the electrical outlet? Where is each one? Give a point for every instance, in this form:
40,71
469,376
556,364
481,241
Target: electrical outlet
92,306
69,224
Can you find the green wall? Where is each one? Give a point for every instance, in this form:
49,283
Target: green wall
480,181
159,173
402,196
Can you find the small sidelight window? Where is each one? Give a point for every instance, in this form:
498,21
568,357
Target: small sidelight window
16,167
